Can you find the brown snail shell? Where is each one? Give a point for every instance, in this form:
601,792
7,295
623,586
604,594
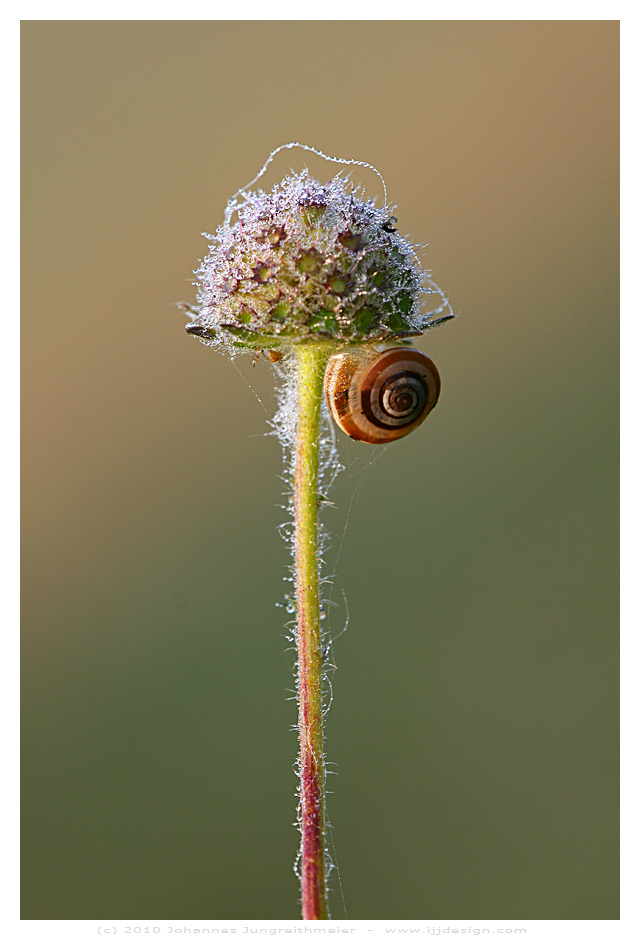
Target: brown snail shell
378,397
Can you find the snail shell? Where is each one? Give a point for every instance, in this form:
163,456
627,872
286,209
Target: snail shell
378,397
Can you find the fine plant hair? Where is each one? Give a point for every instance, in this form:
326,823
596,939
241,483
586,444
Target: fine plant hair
283,426
316,278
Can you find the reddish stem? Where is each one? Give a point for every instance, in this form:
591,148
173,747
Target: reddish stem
311,367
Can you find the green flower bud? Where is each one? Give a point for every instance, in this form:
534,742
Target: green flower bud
311,262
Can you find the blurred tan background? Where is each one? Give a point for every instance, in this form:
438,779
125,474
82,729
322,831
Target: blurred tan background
474,726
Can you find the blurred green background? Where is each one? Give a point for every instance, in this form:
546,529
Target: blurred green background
474,725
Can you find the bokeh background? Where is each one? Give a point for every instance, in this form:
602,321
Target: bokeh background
474,724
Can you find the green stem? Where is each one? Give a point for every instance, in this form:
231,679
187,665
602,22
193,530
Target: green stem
312,360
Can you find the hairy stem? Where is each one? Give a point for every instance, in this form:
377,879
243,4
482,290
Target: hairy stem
312,360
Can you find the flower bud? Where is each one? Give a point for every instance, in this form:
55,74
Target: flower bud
311,262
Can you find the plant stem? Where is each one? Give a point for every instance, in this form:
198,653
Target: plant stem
312,360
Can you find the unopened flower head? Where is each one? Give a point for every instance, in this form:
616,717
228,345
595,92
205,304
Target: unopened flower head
311,262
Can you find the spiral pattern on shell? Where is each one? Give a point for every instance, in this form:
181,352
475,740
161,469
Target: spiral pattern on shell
379,397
